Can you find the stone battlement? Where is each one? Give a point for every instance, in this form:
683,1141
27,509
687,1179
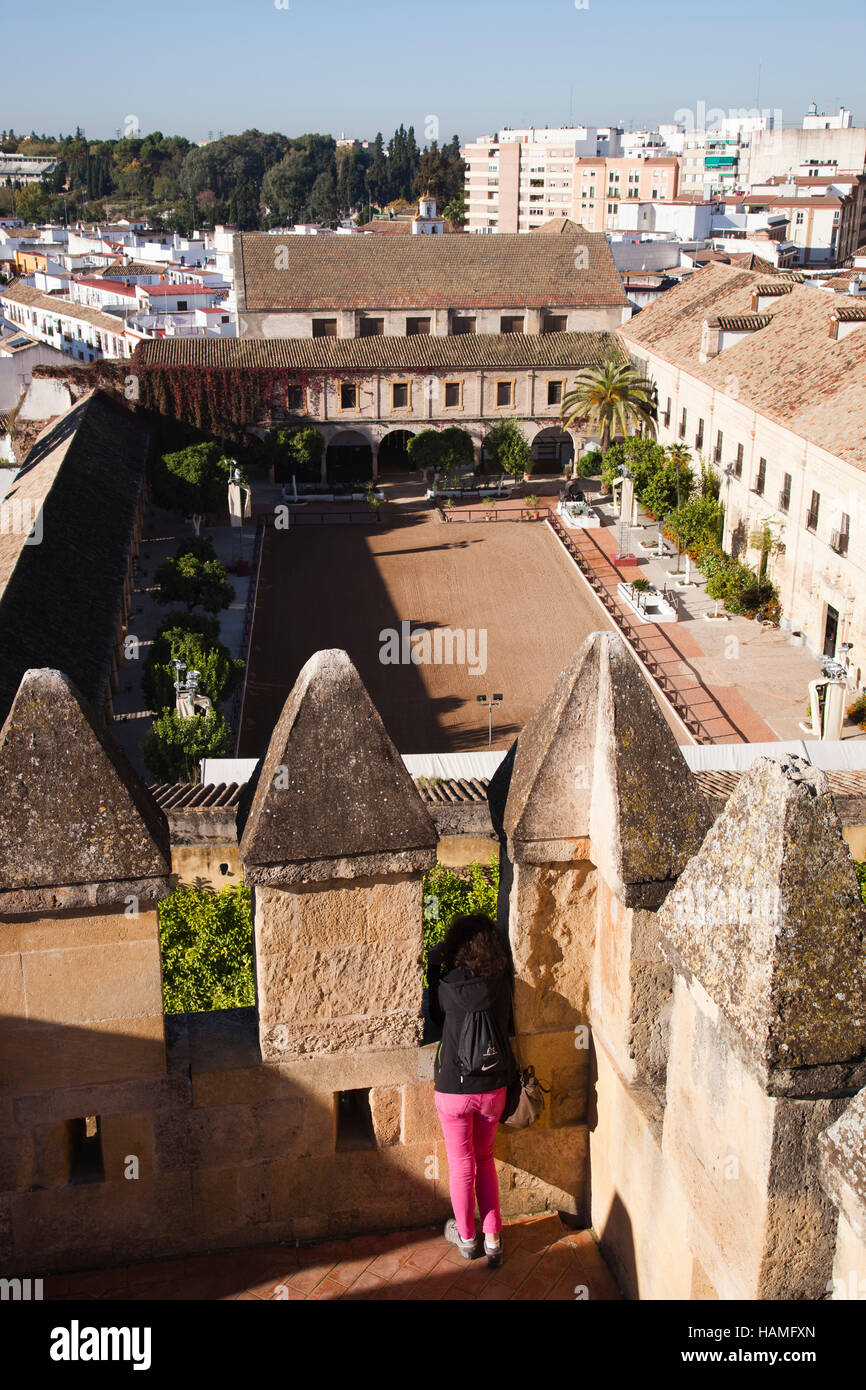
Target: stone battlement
689,982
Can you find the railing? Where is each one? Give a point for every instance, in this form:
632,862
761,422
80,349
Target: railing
696,726
811,520
491,514
302,516
784,501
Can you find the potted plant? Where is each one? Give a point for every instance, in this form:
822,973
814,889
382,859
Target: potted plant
533,502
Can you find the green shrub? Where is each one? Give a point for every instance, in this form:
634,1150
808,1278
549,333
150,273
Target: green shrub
197,583
193,480
206,940
290,450
860,866
173,747
219,672
642,457
695,523
590,464
508,449
448,894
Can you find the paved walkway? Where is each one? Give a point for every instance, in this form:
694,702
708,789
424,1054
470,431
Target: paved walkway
541,1260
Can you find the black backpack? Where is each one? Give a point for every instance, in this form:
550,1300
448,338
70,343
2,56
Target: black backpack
481,1048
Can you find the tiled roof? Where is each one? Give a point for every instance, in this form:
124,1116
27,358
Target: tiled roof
110,286
850,313
773,287
749,261
19,293
792,372
117,271
188,796
740,323
423,272
469,350
60,599
191,287
717,783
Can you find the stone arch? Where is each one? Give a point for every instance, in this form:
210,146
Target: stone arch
553,450
349,457
392,455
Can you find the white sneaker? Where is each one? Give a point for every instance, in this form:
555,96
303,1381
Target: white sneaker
493,1251
468,1248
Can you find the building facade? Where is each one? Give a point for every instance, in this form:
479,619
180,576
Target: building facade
765,380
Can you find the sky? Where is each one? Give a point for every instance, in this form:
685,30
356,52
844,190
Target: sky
452,67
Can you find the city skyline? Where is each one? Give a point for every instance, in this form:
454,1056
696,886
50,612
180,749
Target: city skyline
401,69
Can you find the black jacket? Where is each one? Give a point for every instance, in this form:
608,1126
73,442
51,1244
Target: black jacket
451,998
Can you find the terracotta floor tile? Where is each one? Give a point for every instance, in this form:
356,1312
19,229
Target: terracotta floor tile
332,1250
328,1289
424,1257
364,1287
161,1272
564,1288
386,1265
97,1282
517,1265
497,1290
308,1279
247,1297
397,1290
538,1235
347,1271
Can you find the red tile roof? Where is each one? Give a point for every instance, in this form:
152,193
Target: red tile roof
423,272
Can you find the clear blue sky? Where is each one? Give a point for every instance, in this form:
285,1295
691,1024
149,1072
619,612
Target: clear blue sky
477,65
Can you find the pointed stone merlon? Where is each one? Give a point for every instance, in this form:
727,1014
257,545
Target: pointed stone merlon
336,842
769,921
842,1167
765,933
84,856
600,816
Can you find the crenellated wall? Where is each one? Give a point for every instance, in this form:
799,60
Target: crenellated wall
691,989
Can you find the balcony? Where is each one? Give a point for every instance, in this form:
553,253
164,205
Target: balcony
812,520
839,542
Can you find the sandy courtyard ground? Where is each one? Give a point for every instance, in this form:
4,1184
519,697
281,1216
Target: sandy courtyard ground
510,586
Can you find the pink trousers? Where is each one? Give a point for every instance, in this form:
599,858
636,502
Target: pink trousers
469,1126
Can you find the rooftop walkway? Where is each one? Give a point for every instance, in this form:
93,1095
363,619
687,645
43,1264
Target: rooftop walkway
542,1260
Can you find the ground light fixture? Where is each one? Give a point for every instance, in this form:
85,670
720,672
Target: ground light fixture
491,704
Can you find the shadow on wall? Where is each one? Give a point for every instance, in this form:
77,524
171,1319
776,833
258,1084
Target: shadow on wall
615,1234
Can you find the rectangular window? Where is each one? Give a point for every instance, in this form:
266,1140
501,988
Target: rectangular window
399,395
682,429
812,517
511,323
295,399
699,436
761,480
719,442
785,494
505,393
354,1121
554,393
667,414
371,328
738,461
417,328
181,304
348,396
453,395
324,328
462,323
554,323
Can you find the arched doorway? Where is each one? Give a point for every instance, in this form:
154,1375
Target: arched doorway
552,451
349,458
394,452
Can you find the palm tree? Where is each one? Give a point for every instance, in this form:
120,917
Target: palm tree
608,395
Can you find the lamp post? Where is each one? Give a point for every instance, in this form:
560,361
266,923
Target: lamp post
491,704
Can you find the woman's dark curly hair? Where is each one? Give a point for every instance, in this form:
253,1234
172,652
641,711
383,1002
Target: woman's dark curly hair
473,944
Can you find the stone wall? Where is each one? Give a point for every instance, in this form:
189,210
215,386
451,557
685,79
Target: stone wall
691,991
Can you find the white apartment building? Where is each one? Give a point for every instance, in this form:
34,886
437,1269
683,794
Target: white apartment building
81,332
519,179
765,378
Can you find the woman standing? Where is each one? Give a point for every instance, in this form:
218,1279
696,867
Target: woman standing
469,978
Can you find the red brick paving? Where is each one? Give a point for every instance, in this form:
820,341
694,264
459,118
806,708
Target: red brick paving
542,1259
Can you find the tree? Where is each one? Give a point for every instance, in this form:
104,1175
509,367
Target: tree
448,895
641,457
194,582
173,747
206,942
610,396
455,212
508,448
219,672
443,451
193,480
289,450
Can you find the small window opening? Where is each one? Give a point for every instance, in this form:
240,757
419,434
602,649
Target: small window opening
86,1163
354,1121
